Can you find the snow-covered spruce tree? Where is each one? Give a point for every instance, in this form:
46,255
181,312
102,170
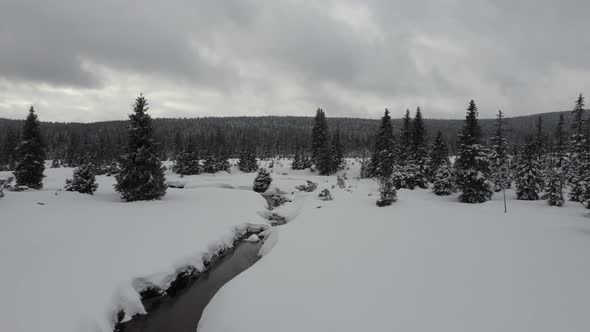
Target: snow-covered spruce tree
187,162
323,153
84,179
418,155
262,181
444,181
404,176
31,154
472,165
248,162
529,179
387,192
554,188
439,156
142,174
319,136
500,177
210,164
405,140
381,164
576,168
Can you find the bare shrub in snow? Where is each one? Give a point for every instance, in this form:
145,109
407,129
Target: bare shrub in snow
309,187
340,181
262,181
325,195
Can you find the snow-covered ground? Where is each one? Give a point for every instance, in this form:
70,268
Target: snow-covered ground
426,263
70,264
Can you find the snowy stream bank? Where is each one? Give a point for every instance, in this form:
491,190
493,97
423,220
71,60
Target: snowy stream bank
179,307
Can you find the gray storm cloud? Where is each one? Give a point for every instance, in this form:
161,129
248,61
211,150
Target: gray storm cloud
85,61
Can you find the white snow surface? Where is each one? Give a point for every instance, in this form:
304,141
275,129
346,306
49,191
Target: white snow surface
71,264
426,263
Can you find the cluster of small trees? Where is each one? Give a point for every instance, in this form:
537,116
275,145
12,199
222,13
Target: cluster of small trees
540,169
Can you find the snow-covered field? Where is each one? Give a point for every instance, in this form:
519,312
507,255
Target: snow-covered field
71,264
426,263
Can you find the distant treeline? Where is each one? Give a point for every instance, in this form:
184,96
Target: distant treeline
269,135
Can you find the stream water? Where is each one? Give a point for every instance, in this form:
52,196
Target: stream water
181,312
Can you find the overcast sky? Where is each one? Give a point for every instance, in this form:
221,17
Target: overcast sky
78,60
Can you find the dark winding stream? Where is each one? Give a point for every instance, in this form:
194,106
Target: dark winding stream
181,308
181,313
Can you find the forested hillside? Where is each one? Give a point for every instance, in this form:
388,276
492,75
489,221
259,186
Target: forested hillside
271,135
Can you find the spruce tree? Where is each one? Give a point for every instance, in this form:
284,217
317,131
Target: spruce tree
557,167
529,179
387,192
577,141
210,165
262,181
142,174
418,152
444,180
188,162
472,164
499,157
405,140
439,155
382,162
554,188
248,162
84,179
31,154
320,136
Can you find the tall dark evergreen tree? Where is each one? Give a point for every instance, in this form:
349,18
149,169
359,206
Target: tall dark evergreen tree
577,141
499,157
320,136
557,164
384,154
323,153
472,164
529,179
418,155
142,174
31,154
439,155
405,140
